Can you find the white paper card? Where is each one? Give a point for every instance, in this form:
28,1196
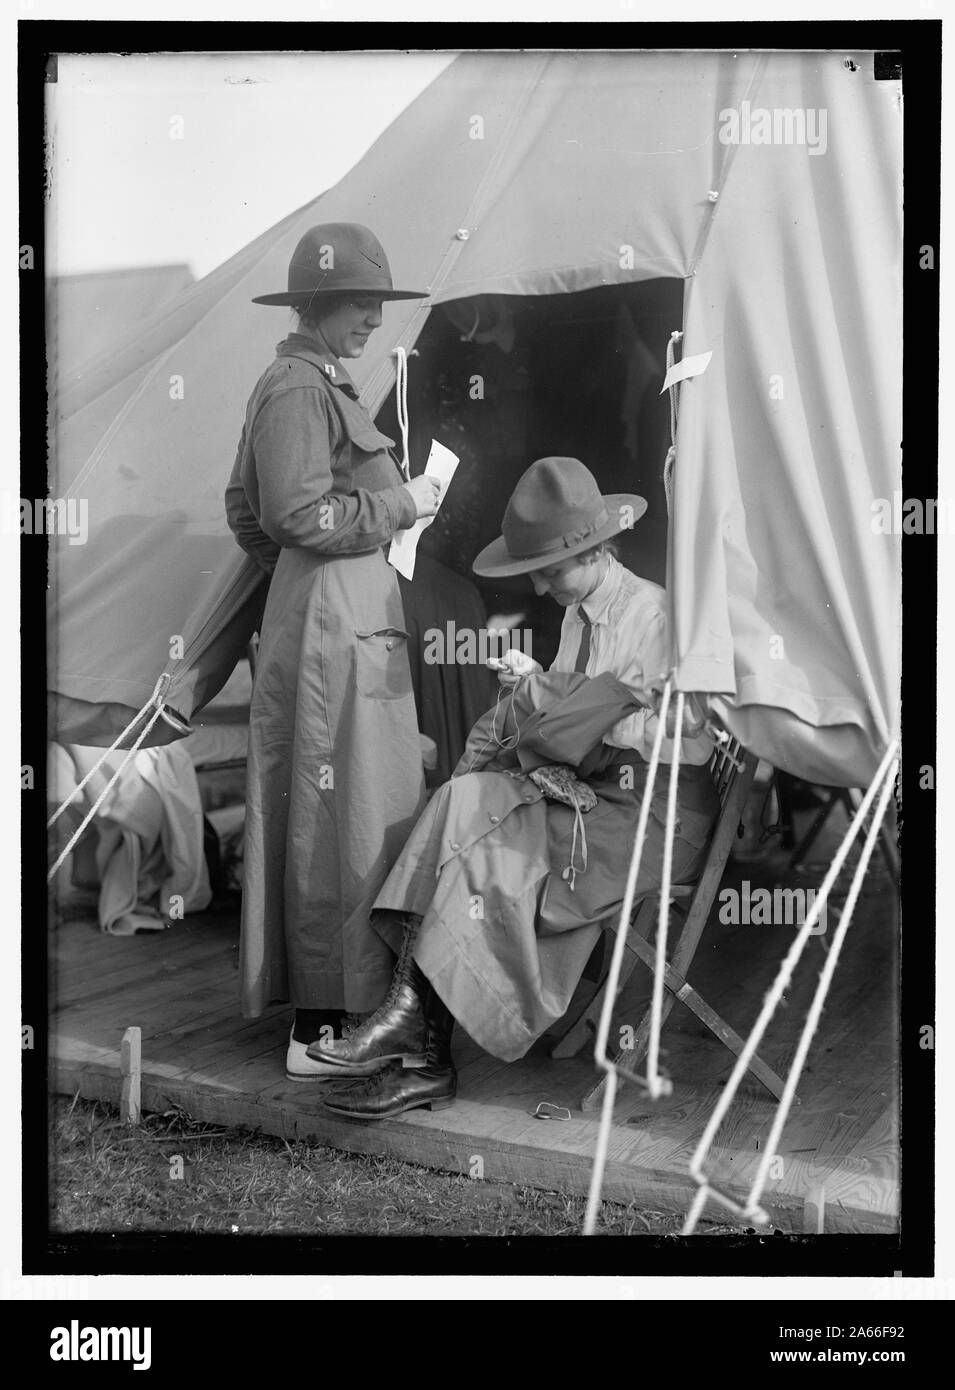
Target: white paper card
690,366
404,548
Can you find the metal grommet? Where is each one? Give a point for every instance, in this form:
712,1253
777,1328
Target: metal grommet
462,234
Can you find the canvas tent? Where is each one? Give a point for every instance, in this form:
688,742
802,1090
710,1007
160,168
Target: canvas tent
89,313
550,174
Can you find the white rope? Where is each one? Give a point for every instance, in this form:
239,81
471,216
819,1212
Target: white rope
613,976
101,798
158,691
668,464
469,337
158,699
884,779
654,1082
401,405
819,998
675,337
670,459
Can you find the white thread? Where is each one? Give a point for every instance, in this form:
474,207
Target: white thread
570,873
506,742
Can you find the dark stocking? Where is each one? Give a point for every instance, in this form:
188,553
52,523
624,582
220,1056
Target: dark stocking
310,1022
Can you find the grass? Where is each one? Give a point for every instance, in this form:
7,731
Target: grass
107,1176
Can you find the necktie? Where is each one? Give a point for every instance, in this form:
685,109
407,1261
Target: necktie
583,651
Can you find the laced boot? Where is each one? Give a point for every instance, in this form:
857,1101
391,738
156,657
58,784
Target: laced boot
395,1032
395,1089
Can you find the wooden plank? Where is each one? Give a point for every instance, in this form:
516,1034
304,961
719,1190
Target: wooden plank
162,970
499,1128
414,1140
81,946
197,1052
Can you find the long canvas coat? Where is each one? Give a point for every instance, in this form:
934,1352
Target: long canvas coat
504,939
335,779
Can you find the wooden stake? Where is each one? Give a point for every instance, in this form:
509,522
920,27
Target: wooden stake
814,1212
130,1060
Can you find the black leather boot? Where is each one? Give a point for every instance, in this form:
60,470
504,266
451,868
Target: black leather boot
396,1089
396,1031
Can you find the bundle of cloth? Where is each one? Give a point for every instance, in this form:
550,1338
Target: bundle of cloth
143,850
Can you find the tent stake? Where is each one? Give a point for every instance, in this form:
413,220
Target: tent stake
814,1212
130,1060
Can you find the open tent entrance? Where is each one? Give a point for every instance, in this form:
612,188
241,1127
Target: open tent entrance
502,380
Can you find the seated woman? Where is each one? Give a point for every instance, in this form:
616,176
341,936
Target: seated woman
497,899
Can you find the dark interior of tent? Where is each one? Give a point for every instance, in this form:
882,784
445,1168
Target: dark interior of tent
502,380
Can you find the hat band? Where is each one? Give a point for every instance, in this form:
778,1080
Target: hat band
564,542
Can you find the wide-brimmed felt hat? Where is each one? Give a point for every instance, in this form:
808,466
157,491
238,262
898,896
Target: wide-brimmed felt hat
556,511
338,258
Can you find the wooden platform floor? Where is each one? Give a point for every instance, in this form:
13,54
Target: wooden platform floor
180,988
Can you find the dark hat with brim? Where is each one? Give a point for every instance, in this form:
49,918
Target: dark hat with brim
556,511
337,258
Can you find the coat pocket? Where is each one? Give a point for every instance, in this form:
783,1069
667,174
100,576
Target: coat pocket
361,428
369,440
382,671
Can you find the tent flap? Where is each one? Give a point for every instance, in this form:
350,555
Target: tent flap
785,595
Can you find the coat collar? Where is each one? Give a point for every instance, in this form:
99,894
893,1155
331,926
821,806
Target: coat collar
298,345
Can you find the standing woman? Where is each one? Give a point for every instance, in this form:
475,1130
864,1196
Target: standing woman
335,779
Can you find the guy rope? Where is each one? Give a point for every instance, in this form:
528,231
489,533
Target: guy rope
156,703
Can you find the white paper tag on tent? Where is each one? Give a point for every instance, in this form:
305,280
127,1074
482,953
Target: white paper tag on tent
404,548
690,366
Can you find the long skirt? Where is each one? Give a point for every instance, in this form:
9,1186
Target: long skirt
335,782
504,938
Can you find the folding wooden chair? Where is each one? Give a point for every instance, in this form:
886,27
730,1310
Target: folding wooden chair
732,769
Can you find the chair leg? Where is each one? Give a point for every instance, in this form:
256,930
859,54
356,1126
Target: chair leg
678,988
812,834
853,800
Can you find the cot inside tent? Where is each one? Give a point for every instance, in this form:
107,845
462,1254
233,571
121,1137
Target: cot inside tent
584,172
